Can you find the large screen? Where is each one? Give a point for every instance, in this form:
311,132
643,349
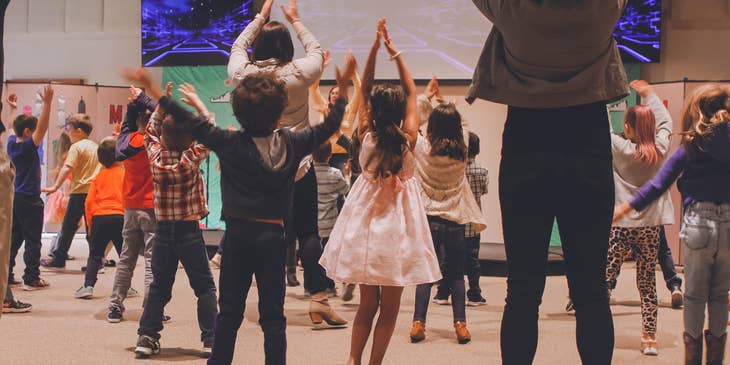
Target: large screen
191,33
440,37
638,32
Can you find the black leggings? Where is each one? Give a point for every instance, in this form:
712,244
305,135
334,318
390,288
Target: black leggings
104,228
557,164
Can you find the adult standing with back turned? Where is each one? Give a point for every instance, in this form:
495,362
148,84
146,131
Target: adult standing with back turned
556,64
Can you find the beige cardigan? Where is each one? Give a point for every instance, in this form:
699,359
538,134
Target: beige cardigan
445,191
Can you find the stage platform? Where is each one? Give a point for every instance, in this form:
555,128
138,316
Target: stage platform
494,260
491,256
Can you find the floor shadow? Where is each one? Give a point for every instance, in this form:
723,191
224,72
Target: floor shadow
175,354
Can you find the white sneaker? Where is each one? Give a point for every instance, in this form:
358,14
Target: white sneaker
132,293
84,292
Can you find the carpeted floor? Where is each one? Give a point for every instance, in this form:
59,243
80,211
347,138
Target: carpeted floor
64,330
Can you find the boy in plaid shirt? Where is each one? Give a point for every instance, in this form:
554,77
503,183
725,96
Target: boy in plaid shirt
179,204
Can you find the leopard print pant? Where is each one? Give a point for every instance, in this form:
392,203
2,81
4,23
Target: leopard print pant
644,242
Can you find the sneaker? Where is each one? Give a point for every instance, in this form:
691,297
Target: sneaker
441,301
114,315
677,297
132,293
110,263
84,292
166,318
49,263
649,346
146,347
16,306
348,292
331,292
207,348
476,302
36,284
70,258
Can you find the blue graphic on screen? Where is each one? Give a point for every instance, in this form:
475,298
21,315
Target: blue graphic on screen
191,32
638,32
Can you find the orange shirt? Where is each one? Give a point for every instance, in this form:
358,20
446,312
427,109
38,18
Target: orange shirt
105,194
138,177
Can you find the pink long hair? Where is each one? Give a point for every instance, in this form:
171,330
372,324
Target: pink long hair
641,120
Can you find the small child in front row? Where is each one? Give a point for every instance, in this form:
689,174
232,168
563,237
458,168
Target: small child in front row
331,185
180,203
703,162
258,167
104,213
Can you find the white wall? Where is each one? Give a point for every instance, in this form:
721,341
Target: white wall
695,42
86,39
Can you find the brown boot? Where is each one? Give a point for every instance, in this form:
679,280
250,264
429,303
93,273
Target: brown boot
692,350
715,348
322,315
418,332
462,334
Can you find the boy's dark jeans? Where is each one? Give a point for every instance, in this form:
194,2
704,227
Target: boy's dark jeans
472,269
557,164
28,228
74,212
104,228
179,241
252,248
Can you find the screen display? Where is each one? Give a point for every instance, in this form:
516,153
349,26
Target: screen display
443,37
638,32
191,32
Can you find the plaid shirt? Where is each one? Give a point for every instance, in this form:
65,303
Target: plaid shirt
478,178
179,191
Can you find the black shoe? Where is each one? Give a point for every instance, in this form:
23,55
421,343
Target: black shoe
441,300
16,306
110,263
114,315
476,302
166,318
207,348
146,347
291,279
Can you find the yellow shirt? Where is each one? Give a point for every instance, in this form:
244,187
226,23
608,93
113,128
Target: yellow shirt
84,164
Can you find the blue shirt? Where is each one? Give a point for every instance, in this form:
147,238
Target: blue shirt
27,163
705,173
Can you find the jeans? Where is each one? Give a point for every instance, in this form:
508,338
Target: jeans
28,228
138,234
179,241
252,248
557,164
666,261
74,213
472,269
104,228
706,238
302,227
449,243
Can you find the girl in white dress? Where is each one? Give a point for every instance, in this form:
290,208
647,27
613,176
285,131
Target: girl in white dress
381,239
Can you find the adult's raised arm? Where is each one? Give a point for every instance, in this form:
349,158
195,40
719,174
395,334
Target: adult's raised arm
312,63
239,51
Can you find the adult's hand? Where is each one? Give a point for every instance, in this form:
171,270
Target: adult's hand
266,9
291,11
